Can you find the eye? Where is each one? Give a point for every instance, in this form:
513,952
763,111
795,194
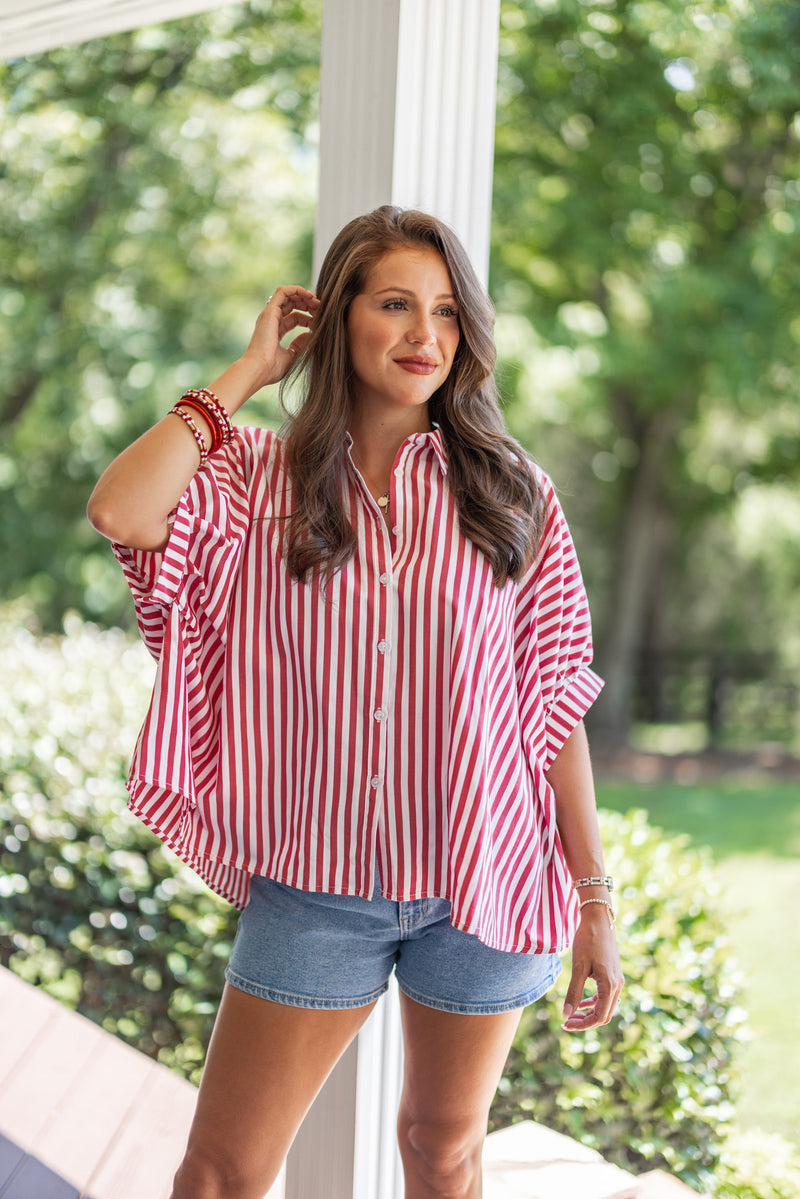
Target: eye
446,310
394,305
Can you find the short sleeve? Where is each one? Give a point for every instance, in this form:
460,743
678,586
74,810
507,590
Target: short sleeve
197,568
553,640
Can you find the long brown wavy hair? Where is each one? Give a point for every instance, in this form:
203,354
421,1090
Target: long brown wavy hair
489,475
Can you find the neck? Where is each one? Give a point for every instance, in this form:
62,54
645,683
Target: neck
377,438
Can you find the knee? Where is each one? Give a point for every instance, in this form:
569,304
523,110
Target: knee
445,1155
203,1176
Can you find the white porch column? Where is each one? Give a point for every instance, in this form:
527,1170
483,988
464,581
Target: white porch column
408,107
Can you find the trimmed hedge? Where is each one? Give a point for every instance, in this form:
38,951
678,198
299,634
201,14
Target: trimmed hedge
92,908
96,912
655,1087
758,1165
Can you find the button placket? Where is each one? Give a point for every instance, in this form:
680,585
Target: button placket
398,495
380,707
386,606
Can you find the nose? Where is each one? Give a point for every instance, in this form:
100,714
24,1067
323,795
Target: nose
421,331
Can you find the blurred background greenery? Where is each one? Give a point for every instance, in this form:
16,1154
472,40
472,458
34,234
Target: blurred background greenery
156,186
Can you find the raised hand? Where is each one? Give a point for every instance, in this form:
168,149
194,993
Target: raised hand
287,309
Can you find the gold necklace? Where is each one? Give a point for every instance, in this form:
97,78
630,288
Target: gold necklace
383,501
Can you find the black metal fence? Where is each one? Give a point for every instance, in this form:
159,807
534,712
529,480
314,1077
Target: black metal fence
741,699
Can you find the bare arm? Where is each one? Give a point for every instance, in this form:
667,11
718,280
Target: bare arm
135,495
594,952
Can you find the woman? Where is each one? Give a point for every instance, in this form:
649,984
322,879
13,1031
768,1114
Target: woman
366,729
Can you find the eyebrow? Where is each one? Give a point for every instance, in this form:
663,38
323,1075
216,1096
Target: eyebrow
403,291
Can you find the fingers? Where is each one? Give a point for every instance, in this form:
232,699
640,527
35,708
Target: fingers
574,999
296,347
295,308
291,299
293,321
607,1003
592,1012
582,1013
289,308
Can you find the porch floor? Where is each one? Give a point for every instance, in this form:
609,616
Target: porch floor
84,1116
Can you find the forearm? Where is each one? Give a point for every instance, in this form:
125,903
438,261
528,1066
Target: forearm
594,950
135,495
576,813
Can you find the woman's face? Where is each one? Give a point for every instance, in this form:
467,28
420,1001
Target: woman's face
403,329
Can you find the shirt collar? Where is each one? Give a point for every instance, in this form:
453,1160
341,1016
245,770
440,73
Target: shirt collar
437,441
434,438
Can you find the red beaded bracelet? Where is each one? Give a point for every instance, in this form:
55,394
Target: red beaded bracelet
214,412
198,436
201,410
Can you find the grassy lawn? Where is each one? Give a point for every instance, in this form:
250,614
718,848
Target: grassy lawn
753,829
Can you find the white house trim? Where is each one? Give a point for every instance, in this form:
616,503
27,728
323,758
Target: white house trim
408,112
31,26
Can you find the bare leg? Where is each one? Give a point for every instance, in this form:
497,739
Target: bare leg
266,1063
453,1064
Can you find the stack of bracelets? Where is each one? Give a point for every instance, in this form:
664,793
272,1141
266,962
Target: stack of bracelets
205,404
604,880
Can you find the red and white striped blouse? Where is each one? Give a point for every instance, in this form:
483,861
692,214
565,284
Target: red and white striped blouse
405,720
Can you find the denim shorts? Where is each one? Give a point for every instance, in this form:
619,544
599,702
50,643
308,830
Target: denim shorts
314,950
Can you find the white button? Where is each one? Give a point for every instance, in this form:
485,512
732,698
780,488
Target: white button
383,646
380,715
383,580
375,783
395,529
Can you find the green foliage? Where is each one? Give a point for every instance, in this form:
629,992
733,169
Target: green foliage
646,198
655,1087
752,825
646,211
155,187
758,1165
92,908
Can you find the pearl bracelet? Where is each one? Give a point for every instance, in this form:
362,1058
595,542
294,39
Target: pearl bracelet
611,914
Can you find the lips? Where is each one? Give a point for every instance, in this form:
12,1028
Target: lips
416,365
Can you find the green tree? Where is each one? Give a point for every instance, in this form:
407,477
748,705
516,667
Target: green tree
647,206
155,186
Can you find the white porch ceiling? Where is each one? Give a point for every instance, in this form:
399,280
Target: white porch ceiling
30,26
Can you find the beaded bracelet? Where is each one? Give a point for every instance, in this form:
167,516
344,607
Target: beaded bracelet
611,914
213,403
198,436
212,409
604,880
201,410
